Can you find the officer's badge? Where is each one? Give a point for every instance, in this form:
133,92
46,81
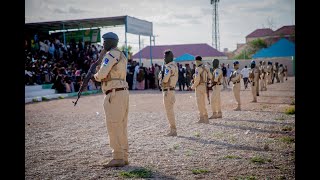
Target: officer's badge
106,60
166,71
196,73
217,73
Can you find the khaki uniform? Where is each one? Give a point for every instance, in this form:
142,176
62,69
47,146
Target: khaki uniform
281,74
202,75
258,83
215,97
285,73
168,83
269,74
236,77
254,76
276,72
263,76
112,74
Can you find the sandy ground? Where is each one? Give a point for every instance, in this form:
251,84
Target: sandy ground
67,142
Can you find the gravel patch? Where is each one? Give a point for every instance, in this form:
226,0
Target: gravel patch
67,142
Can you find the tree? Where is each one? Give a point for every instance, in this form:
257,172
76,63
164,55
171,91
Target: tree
123,49
256,45
253,47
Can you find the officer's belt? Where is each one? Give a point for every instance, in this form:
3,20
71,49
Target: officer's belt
171,89
217,84
236,82
107,80
116,89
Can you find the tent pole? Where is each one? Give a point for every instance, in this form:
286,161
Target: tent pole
126,45
139,51
150,51
64,36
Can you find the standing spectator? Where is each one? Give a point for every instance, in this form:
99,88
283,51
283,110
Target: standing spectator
141,79
130,71
188,77
156,74
245,75
151,78
224,76
181,77
285,70
136,71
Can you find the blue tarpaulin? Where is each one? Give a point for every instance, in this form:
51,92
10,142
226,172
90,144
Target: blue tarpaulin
184,57
282,48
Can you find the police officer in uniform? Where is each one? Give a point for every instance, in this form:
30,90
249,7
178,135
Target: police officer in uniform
263,71
112,75
235,78
281,73
202,75
258,84
269,72
275,72
254,76
168,84
216,89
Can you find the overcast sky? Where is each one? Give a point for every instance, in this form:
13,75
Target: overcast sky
174,21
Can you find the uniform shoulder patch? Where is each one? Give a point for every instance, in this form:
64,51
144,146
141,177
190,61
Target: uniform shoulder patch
166,71
105,62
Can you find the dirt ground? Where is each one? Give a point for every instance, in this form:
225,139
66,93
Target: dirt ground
67,142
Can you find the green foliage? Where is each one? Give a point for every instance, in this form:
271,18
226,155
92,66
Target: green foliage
176,146
293,102
137,173
199,171
232,157
287,139
61,97
44,98
196,134
246,178
259,160
243,55
257,44
35,100
287,128
253,47
290,110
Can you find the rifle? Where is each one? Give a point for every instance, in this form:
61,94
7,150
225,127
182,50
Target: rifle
208,89
88,76
231,76
162,75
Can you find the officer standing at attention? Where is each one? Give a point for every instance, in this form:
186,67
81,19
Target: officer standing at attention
202,75
275,72
263,71
216,89
281,73
258,84
254,76
168,84
269,72
112,74
235,78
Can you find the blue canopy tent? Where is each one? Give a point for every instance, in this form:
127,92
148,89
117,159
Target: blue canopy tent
184,57
282,48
